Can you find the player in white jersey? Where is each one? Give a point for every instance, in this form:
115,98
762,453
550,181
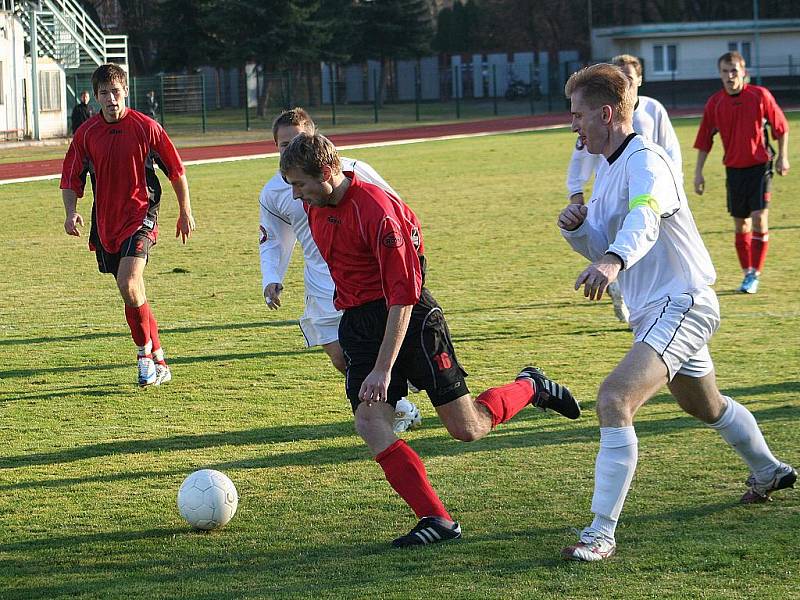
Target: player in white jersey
638,228
651,121
283,222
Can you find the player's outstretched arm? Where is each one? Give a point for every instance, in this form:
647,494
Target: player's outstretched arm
73,219
185,225
596,277
699,180
376,384
782,160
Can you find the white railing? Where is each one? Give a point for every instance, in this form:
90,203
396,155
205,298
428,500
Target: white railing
67,34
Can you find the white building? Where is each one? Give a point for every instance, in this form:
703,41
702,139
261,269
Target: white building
689,51
33,89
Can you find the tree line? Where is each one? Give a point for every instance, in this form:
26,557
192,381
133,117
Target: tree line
181,35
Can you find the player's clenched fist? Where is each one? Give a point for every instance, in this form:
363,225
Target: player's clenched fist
572,216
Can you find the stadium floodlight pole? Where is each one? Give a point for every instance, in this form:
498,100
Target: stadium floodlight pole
333,93
417,85
757,41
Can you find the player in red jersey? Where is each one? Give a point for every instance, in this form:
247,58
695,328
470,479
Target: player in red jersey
122,145
739,113
393,331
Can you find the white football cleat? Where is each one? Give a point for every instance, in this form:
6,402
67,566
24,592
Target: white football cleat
592,545
406,416
163,374
147,370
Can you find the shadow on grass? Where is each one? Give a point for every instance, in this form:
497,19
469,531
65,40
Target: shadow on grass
180,360
536,435
126,334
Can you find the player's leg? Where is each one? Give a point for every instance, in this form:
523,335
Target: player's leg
432,365
759,205
738,193
639,375
360,334
700,397
134,254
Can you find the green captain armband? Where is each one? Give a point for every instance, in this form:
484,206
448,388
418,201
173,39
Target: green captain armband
645,200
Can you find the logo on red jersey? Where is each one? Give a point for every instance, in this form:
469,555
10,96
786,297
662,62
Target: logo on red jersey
334,221
139,246
393,239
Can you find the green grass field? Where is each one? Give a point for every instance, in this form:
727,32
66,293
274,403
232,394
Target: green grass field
90,464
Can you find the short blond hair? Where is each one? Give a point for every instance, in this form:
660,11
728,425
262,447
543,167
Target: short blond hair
310,152
297,117
621,60
603,84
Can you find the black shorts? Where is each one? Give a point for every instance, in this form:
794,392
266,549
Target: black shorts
427,358
138,245
749,189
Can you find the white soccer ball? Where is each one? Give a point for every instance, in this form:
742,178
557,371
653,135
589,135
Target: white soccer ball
207,499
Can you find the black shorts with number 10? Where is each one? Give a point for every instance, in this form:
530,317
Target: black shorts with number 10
427,358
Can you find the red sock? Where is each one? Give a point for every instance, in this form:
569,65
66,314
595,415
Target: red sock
743,249
406,474
507,400
759,250
138,318
154,336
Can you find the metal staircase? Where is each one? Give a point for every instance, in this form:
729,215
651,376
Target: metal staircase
68,35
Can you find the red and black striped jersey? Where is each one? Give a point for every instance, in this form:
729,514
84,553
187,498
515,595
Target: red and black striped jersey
372,243
739,119
122,155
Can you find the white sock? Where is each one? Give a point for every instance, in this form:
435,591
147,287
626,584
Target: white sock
738,427
146,349
158,355
613,472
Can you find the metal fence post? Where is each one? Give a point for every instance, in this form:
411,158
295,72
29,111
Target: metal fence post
163,100
246,101
456,91
333,93
375,92
203,99
417,86
133,92
672,91
532,93
494,88
288,90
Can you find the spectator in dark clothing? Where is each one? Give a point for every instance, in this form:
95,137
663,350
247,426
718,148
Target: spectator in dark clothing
151,105
81,112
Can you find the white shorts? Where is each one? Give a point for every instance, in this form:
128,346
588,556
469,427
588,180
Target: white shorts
320,321
679,328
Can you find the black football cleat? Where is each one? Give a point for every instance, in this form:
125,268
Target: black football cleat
547,394
429,530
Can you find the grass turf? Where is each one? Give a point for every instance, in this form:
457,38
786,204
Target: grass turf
90,464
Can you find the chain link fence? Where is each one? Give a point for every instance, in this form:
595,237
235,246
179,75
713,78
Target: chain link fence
398,94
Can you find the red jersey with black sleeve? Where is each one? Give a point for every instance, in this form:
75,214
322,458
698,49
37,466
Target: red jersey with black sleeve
372,244
739,119
128,194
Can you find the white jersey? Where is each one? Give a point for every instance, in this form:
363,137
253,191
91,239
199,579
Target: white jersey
284,222
651,121
639,212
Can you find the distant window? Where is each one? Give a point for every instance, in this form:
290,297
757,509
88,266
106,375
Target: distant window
665,58
742,48
49,90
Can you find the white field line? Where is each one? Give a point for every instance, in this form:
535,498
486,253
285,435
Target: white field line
207,161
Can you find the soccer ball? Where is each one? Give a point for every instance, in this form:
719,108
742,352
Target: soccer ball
207,499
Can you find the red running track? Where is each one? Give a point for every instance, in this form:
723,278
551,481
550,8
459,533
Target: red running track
40,168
